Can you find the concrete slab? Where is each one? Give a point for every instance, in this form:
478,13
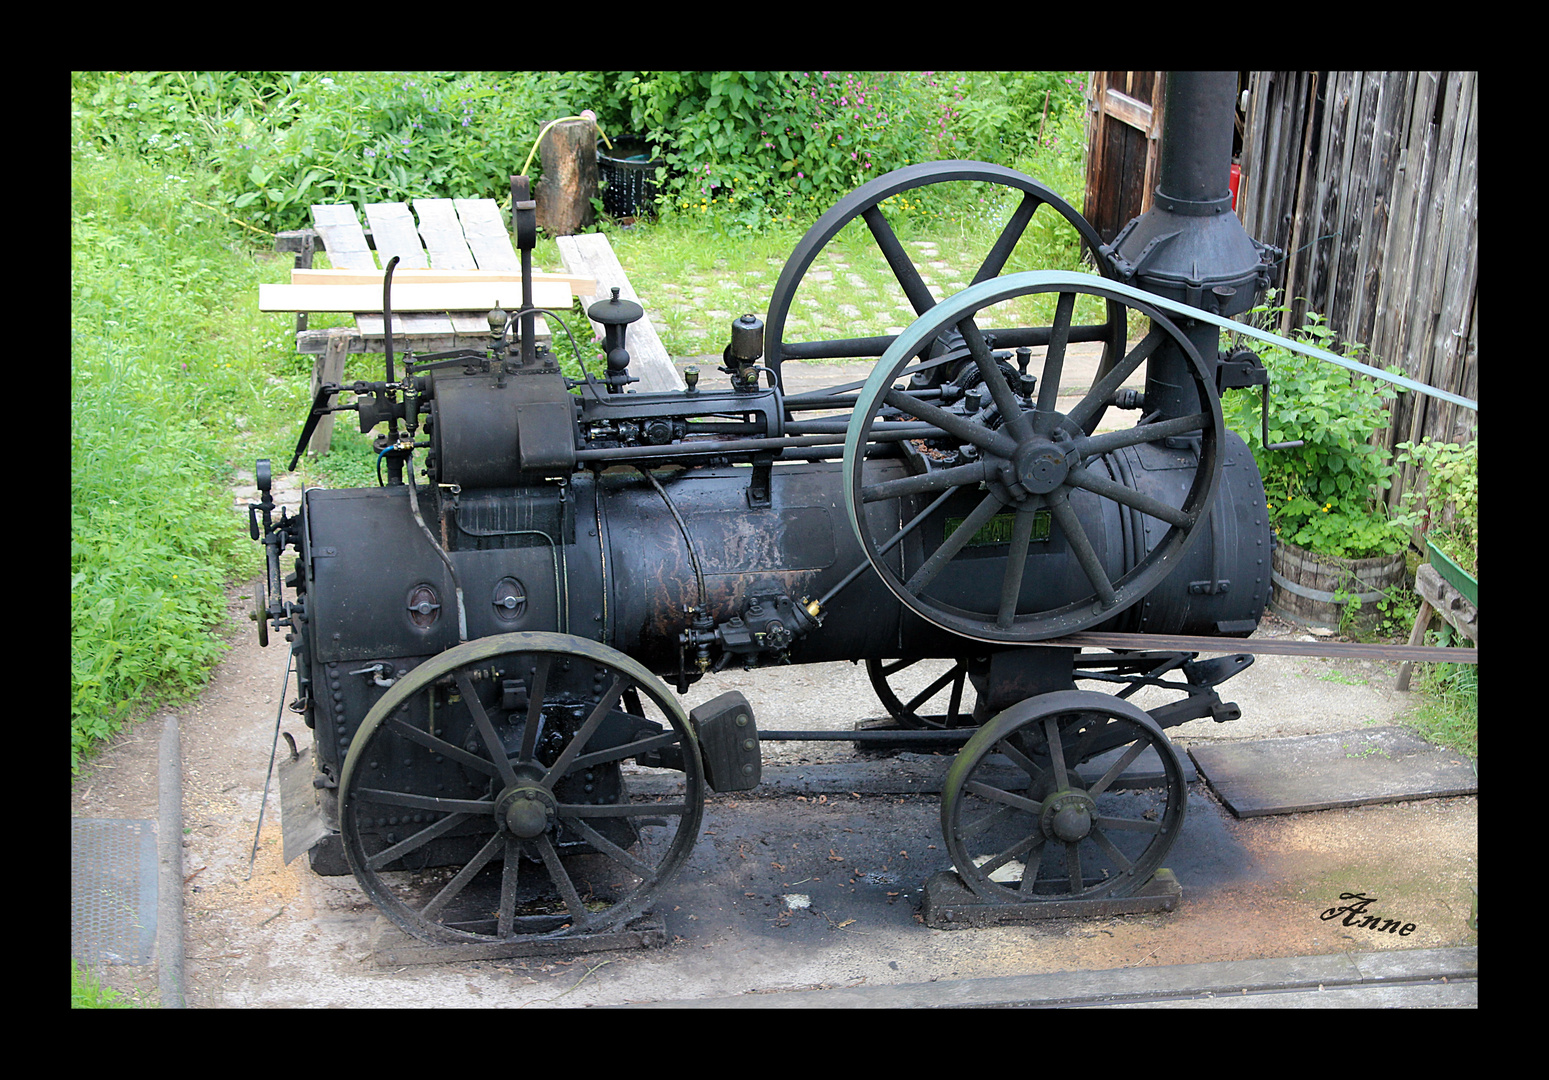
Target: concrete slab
1321,772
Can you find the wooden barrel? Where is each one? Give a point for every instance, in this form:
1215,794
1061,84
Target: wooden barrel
1315,590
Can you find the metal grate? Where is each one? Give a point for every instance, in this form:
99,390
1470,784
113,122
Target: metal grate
112,891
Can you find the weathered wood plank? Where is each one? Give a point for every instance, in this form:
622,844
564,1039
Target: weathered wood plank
485,230
580,285
343,238
591,255
443,235
406,325
392,228
460,296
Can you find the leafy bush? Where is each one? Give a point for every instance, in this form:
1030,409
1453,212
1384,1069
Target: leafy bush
748,149
1448,510
1324,496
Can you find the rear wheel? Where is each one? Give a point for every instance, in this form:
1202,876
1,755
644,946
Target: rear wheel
486,796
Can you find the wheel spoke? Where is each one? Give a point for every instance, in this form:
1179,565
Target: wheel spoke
1073,866
492,743
579,810
627,750
463,876
936,480
1109,384
1120,859
1135,500
1011,414
413,843
898,260
535,708
426,802
1125,760
1109,441
960,427
930,691
1016,563
583,735
1006,242
442,747
1027,843
949,548
1007,798
612,850
1054,363
561,879
1034,771
1051,732
1086,555
509,872
1030,869
956,701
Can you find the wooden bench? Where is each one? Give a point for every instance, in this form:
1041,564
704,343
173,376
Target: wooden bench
590,256
453,268
1438,597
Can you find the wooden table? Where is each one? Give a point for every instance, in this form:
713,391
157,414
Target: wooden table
457,242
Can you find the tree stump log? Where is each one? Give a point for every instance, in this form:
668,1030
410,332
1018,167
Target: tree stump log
568,151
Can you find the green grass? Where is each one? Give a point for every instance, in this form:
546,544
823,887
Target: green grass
88,992
1449,712
174,377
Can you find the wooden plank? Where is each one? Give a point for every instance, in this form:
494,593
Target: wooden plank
579,284
392,228
1126,110
443,235
407,325
329,368
343,237
485,231
591,255
461,296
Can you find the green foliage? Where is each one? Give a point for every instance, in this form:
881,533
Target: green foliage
281,141
87,991
158,397
745,150
1448,509
1324,496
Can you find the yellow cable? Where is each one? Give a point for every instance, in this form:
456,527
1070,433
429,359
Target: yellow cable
561,120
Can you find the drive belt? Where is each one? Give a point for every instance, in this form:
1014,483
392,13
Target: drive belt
1354,650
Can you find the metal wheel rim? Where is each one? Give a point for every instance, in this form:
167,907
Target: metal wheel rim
629,676
1131,586
864,202
990,825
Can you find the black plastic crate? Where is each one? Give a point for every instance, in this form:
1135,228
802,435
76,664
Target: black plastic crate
629,174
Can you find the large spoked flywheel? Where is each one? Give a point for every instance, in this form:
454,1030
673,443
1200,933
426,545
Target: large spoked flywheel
1011,529
485,799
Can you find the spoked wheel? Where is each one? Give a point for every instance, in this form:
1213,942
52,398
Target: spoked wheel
483,798
922,694
1058,798
866,204
1003,469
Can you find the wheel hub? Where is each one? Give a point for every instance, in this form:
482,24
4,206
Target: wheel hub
1042,466
1068,816
526,810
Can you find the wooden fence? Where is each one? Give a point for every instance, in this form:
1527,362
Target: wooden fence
1368,182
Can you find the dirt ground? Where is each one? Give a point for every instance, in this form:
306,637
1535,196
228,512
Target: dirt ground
735,919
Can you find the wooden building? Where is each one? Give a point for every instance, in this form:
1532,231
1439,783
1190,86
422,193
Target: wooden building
1368,182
